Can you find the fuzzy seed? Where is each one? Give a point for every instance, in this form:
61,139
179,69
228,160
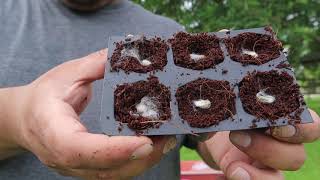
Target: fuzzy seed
250,53
130,36
147,108
145,62
132,52
197,57
203,104
265,98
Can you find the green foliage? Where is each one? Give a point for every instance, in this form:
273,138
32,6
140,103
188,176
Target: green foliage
296,22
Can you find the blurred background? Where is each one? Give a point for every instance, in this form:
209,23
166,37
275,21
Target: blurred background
297,24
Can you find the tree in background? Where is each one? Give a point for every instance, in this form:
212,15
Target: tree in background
296,22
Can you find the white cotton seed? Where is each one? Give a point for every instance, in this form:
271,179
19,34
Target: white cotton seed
147,108
265,98
132,52
250,53
145,62
151,114
197,57
203,104
141,108
130,36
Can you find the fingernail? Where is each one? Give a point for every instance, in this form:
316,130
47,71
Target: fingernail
240,138
284,131
240,174
142,151
170,144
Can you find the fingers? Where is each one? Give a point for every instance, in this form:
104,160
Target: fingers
135,167
92,151
242,171
206,156
71,146
269,151
79,97
162,146
223,152
132,155
205,136
200,137
92,66
300,133
85,69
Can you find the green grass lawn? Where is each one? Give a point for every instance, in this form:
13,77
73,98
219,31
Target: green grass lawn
310,169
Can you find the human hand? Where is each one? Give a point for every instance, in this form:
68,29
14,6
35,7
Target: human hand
48,124
252,154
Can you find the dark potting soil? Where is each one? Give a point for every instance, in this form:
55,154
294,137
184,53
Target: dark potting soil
127,96
153,50
279,85
267,48
219,93
184,44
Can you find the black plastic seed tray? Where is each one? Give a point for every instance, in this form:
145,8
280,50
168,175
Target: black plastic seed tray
173,77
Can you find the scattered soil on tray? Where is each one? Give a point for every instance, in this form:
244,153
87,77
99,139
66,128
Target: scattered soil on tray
204,47
284,65
128,96
131,56
280,87
252,48
220,95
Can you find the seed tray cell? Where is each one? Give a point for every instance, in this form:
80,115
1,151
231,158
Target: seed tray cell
253,86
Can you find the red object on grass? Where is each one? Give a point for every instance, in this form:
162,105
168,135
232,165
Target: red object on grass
198,170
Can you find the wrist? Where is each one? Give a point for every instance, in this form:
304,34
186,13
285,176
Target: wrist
12,101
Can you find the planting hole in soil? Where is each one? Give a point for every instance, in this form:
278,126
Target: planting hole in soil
143,104
204,102
196,51
269,95
141,56
252,48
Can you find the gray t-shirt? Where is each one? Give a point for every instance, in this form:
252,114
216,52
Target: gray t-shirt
37,35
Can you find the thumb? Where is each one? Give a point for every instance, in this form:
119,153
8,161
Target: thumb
91,67
85,69
239,170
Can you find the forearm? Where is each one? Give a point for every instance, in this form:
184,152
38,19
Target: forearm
9,112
